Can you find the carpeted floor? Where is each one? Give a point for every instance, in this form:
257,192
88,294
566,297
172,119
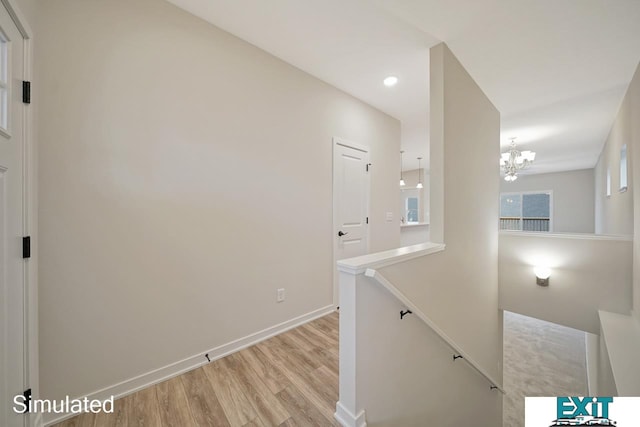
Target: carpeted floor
540,359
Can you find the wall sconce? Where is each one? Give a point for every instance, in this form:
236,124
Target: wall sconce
542,275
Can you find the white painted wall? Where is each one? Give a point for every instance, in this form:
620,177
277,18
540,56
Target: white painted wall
401,372
465,138
28,8
397,372
621,338
185,175
414,234
587,273
412,380
615,214
620,213
592,350
459,287
630,116
573,197
606,382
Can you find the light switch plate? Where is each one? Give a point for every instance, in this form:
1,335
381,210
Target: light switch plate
389,216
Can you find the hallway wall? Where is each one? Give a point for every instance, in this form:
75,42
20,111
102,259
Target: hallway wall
459,286
621,212
185,176
631,107
615,213
595,268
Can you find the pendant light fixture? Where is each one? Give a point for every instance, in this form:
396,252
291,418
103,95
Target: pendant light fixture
419,174
513,160
402,184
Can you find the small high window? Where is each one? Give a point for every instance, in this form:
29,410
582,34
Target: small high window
623,168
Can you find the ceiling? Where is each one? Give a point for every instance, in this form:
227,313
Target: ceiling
556,69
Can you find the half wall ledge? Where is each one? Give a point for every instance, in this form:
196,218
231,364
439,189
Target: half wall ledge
358,265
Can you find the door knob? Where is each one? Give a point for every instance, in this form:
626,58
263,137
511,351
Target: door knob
340,233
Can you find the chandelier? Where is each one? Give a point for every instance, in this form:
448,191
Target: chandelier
513,160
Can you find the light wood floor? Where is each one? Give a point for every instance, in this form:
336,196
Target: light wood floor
288,380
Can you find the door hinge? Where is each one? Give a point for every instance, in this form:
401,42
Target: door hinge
27,400
368,164
367,220
26,247
26,92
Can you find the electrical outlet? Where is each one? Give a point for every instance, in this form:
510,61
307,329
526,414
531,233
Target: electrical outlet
280,296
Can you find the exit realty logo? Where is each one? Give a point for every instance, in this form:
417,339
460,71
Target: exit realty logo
582,411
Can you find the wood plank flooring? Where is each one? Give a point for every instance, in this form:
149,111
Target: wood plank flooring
288,380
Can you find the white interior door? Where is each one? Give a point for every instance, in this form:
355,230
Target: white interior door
12,221
351,202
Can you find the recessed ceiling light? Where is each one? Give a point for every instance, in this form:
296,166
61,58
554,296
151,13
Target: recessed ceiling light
390,81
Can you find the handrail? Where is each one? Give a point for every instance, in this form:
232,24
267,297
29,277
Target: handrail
415,310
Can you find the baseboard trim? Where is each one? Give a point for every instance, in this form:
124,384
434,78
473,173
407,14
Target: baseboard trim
172,370
347,419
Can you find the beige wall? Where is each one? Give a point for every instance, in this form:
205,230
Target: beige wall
414,234
573,197
459,286
614,214
588,273
185,175
631,109
404,372
606,381
620,213
28,8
